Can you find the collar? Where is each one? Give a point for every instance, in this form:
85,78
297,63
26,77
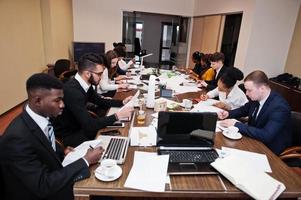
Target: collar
41,121
82,82
217,71
233,92
261,102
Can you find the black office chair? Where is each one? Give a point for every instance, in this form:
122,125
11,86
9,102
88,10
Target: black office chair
292,155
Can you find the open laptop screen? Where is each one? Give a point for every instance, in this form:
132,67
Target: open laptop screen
175,128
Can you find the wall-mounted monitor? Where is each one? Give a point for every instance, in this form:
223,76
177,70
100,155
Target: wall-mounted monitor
81,48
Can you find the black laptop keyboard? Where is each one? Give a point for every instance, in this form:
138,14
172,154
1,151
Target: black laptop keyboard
115,149
190,156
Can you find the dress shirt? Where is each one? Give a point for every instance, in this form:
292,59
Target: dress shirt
41,121
261,103
123,65
82,82
235,99
218,70
104,84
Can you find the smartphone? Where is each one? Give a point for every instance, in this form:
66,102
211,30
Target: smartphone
111,132
117,124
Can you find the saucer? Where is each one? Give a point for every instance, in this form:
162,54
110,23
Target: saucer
235,136
116,174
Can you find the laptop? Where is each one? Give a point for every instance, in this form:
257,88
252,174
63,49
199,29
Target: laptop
115,147
188,139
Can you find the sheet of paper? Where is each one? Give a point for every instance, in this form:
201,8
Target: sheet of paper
143,136
244,176
185,89
204,108
79,151
131,103
257,160
151,178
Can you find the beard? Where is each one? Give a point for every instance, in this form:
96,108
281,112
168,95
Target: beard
92,81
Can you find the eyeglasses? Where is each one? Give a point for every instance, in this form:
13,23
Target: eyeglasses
97,73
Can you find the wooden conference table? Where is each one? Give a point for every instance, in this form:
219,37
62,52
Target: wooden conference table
188,186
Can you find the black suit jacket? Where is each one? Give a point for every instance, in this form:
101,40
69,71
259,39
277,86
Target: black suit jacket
76,118
213,84
272,125
31,169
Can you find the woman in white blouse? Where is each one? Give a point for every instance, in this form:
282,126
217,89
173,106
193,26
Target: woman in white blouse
106,84
230,95
122,66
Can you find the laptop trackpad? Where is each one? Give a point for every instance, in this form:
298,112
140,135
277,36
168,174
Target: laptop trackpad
188,167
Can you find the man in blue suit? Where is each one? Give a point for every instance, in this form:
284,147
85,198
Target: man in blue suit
269,119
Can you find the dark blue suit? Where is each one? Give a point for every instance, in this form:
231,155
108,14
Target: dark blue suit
272,125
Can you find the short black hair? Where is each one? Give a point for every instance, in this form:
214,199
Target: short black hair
43,81
231,76
198,56
217,56
90,60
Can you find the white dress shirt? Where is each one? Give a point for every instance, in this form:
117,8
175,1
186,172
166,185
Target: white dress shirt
261,103
104,84
82,82
41,121
235,99
123,65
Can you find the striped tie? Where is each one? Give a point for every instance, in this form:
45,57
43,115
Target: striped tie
51,136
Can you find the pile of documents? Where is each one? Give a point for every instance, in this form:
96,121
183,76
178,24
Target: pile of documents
253,181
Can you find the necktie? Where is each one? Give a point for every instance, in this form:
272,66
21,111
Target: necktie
254,114
51,136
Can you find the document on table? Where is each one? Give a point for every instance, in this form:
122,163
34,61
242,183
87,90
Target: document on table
143,136
256,160
205,108
131,103
148,172
244,176
79,151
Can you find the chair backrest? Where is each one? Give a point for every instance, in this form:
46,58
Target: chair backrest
296,128
61,66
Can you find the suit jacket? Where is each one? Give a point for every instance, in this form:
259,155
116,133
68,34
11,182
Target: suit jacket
272,125
31,169
213,84
75,116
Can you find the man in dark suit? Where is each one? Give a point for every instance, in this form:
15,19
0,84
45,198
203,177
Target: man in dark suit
269,119
76,124
217,63
30,159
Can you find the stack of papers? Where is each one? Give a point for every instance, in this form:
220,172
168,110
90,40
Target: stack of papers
143,136
256,160
151,178
252,181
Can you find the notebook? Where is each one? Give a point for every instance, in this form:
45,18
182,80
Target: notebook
115,147
188,138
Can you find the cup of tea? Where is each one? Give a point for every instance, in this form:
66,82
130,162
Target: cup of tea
141,117
108,167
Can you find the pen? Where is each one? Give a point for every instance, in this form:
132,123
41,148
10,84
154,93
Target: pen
91,147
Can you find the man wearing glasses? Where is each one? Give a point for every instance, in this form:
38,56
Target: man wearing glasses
76,124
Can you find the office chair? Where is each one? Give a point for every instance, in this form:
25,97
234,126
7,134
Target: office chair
292,155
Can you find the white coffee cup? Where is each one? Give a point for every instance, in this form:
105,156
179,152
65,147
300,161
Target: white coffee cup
232,130
108,167
187,103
